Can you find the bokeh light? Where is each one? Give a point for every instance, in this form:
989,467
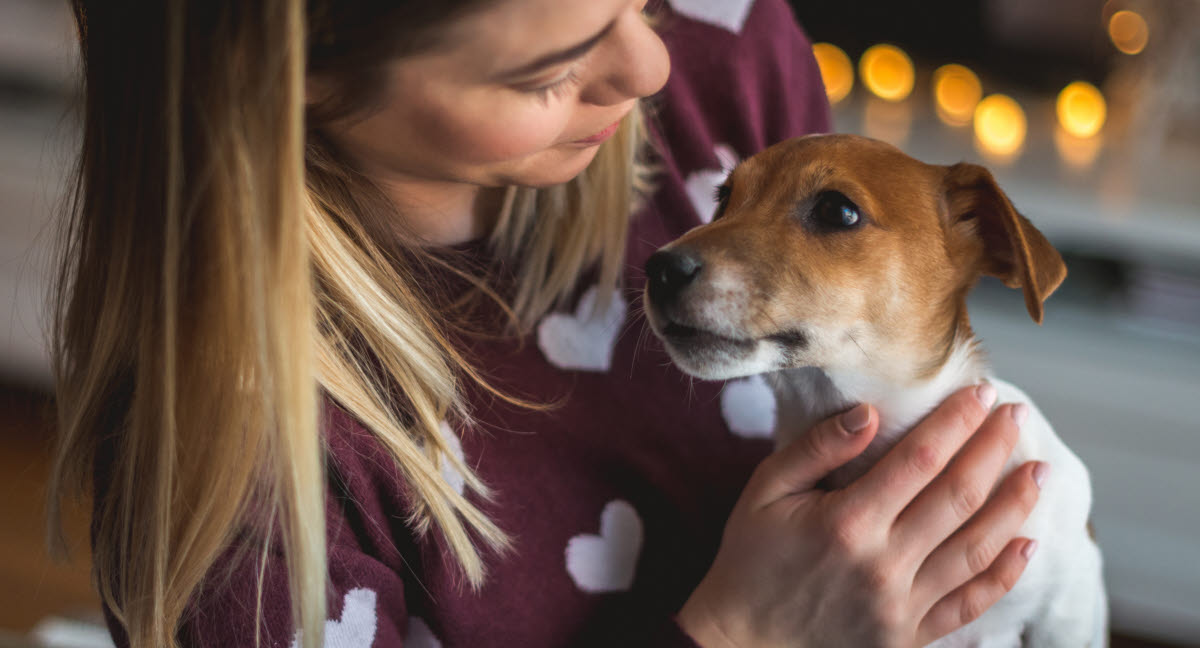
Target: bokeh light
1000,126
887,71
1128,31
956,92
1081,109
837,72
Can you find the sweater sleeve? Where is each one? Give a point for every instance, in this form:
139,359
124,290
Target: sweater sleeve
366,571
365,604
366,574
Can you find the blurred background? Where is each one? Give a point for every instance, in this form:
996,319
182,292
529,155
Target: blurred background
1087,111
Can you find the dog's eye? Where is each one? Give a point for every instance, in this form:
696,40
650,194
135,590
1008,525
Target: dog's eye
834,211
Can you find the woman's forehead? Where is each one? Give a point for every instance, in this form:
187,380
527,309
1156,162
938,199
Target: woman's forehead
508,35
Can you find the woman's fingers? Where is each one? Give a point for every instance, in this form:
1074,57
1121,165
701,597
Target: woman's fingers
975,546
905,471
968,602
801,464
956,494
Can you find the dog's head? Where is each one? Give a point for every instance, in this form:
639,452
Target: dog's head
838,251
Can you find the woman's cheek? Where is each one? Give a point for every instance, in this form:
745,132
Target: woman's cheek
506,130
475,123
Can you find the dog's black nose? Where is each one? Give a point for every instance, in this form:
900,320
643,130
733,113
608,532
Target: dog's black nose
668,272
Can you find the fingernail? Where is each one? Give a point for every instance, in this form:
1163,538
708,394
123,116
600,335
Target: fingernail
1019,412
1040,472
856,420
986,395
1029,549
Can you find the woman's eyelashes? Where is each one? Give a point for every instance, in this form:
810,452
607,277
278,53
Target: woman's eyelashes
557,88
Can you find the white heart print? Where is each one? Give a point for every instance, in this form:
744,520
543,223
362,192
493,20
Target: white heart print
748,407
449,472
356,628
607,562
702,185
584,340
730,14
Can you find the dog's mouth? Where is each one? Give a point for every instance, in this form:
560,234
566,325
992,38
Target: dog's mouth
682,335
687,337
706,354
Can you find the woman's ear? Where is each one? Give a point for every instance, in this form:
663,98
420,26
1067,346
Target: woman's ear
1011,247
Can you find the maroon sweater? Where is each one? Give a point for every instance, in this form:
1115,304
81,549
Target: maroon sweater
617,499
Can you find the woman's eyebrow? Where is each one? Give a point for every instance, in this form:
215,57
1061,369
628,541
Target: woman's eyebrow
575,51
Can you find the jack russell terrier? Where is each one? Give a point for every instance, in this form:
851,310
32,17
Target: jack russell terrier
839,266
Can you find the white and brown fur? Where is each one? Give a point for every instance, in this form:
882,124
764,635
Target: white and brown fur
875,312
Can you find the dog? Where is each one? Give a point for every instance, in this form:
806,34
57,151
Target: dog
839,267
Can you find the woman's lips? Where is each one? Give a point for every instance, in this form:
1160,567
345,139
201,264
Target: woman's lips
599,137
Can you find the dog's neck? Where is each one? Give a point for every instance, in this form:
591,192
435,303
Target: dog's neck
809,395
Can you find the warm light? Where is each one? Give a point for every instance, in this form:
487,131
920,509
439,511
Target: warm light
1081,109
956,92
1000,125
886,71
1128,31
836,71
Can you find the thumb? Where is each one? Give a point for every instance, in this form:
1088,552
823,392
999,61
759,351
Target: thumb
798,466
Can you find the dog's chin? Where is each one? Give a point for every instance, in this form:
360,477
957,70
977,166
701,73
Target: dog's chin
712,364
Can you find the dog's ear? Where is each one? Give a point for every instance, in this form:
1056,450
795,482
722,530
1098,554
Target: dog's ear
1004,243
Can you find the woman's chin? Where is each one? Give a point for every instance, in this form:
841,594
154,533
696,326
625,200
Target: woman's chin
554,167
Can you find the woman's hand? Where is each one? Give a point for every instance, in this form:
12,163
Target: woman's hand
909,552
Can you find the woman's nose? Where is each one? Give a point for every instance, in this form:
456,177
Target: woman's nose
635,64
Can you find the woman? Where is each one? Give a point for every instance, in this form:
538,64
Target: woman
345,332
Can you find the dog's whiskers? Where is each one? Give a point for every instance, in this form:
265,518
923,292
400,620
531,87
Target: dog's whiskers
637,345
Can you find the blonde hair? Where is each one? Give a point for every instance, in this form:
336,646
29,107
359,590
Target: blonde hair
217,277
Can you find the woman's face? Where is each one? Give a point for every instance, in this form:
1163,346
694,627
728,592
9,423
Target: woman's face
522,93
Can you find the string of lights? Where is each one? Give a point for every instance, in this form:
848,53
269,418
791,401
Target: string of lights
998,120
